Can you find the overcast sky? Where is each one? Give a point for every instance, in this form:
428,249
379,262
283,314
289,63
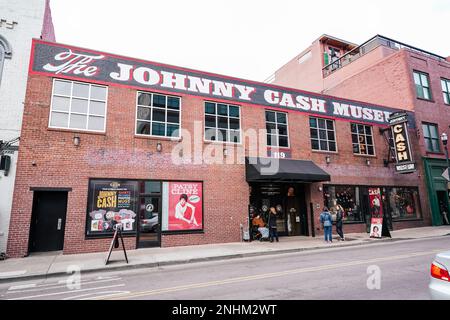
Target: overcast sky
246,39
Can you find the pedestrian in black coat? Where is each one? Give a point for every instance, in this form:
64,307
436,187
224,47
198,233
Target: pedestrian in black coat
273,224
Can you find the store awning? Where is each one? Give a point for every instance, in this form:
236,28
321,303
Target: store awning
272,170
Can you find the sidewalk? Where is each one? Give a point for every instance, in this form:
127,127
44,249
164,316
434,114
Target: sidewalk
56,264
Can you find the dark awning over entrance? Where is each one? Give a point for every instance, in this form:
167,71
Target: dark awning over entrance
260,170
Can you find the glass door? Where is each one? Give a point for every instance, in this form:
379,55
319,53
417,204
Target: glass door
149,234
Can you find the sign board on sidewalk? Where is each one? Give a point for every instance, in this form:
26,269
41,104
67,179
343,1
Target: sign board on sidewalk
376,210
445,175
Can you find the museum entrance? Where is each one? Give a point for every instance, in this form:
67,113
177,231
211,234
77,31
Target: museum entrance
289,201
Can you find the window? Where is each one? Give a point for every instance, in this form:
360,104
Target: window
362,139
346,196
403,203
157,115
277,129
323,136
5,52
222,122
422,83
78,105
446,90
431,136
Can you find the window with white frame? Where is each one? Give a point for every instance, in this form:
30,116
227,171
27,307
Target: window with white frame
323,135
222,122
277,129
158,115
362,139
445,83
78,105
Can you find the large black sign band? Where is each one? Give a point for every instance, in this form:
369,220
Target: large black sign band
58,60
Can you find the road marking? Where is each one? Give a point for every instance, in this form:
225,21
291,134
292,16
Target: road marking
268,275
104,293
54,286
66,292
23,286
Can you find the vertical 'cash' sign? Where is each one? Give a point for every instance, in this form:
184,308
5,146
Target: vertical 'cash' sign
403,154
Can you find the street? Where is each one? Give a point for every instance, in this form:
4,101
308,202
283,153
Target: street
338,273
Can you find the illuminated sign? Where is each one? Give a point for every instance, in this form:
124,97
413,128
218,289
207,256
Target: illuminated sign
399,127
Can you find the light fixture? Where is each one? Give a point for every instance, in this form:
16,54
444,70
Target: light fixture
328,159
368,162
76,141
320,188
225,152
444,138
159,147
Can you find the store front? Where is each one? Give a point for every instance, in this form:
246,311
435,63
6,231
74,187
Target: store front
438,190
286,189
146,209
395,204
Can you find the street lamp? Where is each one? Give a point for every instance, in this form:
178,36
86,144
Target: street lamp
444,139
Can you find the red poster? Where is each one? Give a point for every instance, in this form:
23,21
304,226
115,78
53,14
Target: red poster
376,210
185,206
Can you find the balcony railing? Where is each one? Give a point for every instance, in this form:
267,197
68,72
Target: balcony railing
367,47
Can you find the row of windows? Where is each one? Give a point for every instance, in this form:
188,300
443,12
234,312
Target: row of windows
423,88
82,106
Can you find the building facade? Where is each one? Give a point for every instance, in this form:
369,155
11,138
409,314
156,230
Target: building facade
20,22
409,78
183,157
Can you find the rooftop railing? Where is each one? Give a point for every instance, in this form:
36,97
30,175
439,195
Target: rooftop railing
367,47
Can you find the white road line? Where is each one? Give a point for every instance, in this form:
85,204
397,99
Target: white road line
67,292
5,275
55,286
94,294
23,286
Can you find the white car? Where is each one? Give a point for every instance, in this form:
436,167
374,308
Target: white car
440,279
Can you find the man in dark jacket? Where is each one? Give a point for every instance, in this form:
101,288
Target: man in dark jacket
273,224
340,221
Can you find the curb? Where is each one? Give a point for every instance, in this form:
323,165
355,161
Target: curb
206,259
188,261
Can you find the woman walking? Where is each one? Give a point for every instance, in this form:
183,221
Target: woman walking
340,221
273,224
327,223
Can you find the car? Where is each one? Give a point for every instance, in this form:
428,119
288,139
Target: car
440,279
150,224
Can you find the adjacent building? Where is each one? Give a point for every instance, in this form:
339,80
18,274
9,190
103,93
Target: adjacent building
182,157
20,22
388,72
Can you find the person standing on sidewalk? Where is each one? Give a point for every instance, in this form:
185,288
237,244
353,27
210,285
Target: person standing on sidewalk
273,224
327,224
340,221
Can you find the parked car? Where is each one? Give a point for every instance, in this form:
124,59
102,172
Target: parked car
149,224
440,279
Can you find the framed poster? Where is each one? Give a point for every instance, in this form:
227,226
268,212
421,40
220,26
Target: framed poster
111,201
376,210
182,206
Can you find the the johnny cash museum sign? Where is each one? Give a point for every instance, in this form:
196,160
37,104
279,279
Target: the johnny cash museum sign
402,147
86,65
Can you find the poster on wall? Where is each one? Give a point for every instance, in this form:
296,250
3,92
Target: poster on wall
183,206
376,211
109,202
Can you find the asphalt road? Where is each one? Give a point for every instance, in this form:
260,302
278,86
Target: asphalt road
394,270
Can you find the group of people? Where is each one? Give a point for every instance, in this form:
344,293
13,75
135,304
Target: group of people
326,220
269,229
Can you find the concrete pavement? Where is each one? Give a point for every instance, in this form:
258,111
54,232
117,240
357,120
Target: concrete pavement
56,264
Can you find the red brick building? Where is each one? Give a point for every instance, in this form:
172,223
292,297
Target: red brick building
409,78
169,152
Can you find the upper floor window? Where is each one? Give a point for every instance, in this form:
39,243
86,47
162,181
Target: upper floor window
222,122
5,52
277,129
422,82
78,105
157,115
446,90
323,135
362,139
431,136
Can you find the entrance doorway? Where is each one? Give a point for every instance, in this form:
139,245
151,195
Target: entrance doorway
288,199
48,221
149,213
442,197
